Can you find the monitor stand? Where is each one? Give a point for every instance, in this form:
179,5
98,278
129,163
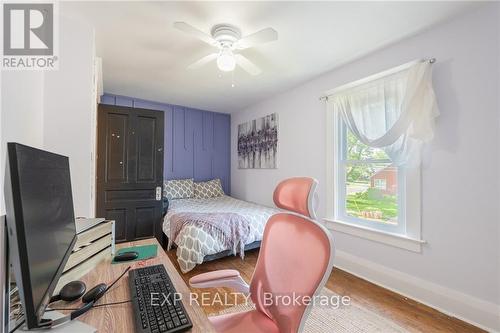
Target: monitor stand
74,326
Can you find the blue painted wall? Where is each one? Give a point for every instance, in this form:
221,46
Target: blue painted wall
197,142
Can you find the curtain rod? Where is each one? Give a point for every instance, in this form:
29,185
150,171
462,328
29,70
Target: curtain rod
373,77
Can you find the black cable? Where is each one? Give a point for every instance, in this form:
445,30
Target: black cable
112,303
17,326
95,306
118,278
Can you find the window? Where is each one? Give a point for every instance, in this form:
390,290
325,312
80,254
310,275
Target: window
367,188
375,192
367,195
380,183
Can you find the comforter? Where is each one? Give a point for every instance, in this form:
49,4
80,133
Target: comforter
194,243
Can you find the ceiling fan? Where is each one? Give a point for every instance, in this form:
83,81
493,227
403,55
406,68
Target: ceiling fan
227,38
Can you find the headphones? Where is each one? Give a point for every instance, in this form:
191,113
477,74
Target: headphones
73,291
70,292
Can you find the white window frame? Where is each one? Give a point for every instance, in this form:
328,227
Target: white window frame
409,181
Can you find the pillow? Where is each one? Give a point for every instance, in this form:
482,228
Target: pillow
210,189
178,189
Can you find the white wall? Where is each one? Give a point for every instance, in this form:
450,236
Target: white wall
54,110
69,106
22,112
22,106
460,183
2,161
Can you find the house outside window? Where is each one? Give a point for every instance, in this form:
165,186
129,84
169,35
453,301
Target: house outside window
367,187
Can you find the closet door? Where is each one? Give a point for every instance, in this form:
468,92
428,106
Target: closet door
130,170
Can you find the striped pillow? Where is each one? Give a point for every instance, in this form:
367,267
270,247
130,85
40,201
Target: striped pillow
179,189
209,189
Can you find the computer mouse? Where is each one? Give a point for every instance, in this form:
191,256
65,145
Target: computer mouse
126,256
95,293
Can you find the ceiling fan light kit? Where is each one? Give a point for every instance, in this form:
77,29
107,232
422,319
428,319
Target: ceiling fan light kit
226,61
227,38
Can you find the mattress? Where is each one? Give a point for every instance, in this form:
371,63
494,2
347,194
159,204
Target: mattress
193,243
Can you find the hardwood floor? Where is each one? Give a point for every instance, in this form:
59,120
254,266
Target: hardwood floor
409,314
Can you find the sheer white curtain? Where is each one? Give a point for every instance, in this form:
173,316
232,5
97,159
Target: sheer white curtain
395,112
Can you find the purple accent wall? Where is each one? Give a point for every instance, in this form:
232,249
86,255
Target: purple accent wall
197,142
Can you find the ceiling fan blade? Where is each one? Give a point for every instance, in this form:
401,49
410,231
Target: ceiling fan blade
203,61
247,65
189,29
260,37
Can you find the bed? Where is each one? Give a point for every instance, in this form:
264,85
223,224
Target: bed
195,245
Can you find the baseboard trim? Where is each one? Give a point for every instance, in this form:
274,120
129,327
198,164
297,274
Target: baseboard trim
480,313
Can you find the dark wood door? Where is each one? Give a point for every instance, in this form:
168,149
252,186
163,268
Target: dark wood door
130,170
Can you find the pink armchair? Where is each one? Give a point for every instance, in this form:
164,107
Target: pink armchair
296,258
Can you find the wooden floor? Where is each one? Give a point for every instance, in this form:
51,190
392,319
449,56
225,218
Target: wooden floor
411,315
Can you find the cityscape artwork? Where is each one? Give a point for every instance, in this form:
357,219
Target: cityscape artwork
258,143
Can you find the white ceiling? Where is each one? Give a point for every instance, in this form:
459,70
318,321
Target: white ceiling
145,57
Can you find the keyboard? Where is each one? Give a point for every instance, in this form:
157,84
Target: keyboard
152,311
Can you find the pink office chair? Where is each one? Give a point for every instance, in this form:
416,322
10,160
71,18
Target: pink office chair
296,256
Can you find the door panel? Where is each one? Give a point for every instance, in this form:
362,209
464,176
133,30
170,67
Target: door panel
144,226
129,195
129,169
117,145
146,149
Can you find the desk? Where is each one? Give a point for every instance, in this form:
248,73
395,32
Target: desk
119,318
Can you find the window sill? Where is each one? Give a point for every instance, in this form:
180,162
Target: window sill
401,241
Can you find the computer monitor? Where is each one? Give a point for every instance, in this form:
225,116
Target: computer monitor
40,223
